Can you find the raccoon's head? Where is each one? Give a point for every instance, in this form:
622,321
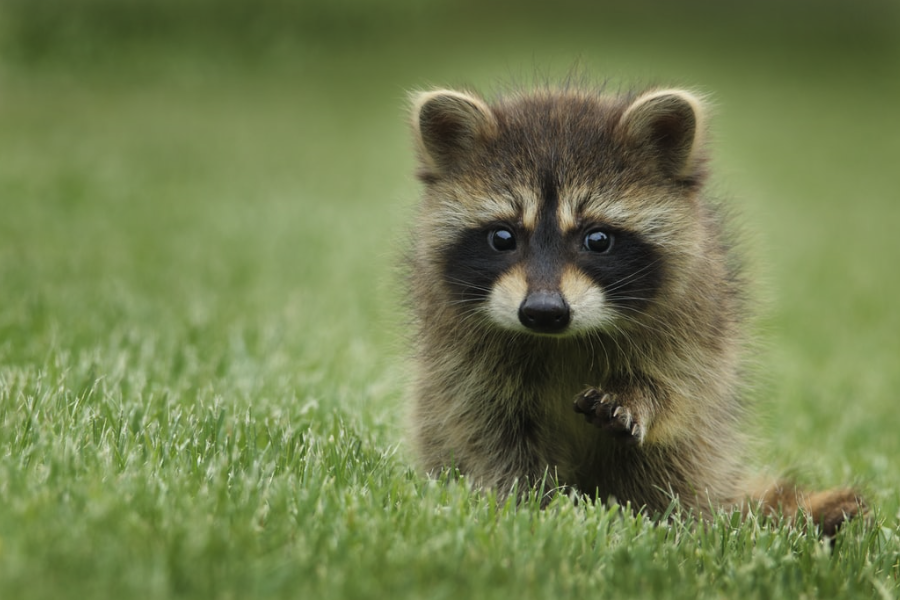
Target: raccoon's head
559,212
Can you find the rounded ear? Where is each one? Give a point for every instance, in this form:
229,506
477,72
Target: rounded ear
448,126
665,127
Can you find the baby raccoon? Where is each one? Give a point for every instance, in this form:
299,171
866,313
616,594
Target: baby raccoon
578,310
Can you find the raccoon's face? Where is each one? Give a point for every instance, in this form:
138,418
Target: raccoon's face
550,215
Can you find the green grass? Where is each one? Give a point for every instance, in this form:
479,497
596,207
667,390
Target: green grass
202,354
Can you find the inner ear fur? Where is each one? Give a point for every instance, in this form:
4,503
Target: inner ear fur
666,127
448,126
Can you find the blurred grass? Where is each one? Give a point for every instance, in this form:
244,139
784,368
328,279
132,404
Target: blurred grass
201,350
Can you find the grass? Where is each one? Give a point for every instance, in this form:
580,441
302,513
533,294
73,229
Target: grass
202,361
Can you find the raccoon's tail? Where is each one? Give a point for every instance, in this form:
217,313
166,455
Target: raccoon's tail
827,509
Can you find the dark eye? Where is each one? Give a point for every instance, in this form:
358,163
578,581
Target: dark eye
502,240
598,241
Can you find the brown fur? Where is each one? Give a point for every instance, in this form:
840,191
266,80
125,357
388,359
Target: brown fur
658,406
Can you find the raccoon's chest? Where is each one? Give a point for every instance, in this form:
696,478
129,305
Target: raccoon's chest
539,391
536,375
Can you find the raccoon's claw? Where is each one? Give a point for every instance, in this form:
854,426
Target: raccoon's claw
601,410
588,401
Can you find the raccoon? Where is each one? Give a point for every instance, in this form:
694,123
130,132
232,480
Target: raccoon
579,313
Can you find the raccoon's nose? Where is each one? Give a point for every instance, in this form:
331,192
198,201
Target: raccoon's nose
544,312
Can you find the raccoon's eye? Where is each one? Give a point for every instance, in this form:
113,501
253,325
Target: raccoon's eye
598,241
502,240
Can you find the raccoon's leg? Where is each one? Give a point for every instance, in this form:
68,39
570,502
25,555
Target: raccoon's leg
625,415
829,509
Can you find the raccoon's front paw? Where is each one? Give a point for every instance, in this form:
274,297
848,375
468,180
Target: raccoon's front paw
601,410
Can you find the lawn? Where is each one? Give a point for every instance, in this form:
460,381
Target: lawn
202,346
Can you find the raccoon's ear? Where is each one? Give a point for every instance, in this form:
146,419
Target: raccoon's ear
665,127
448,127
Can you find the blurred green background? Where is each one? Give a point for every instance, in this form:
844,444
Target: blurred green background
207,199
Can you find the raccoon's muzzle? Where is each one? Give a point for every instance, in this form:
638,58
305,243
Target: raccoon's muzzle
545,312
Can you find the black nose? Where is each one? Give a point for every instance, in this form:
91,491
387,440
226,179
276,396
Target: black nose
544,312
